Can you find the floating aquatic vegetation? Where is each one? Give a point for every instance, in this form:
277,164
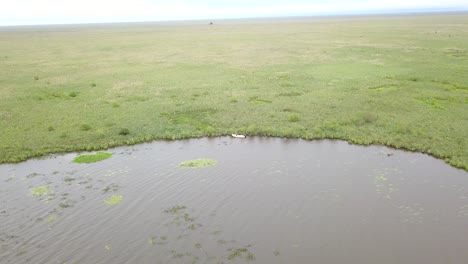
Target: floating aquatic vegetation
152,241
10,178
216,232
383,185
51,219
180,217
250,256
32,175
40,191
112,187
90,158
43,192
114,199
381,178
175,209
197,163
194,226
162,240
177,255
224,242
64,205
411,213
241,253
187,218
67,203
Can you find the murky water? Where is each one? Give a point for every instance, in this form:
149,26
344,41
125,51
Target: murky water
266,200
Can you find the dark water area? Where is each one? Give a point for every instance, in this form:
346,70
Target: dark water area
267,200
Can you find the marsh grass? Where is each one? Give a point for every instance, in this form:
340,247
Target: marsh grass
90,158
124,132
431,102
85,127
288,109
256,100
290,94
293,118
412,81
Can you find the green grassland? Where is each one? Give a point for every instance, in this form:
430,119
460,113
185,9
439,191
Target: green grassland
400,81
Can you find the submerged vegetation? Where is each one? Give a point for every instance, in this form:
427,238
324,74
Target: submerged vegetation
399,81
180,218
90,158
197,163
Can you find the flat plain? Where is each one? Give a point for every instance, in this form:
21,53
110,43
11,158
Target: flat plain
400,81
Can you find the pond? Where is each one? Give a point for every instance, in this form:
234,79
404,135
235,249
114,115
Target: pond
253,200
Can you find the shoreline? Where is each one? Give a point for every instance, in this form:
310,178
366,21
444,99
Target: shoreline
249,136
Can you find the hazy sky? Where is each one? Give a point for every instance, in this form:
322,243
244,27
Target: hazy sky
24,12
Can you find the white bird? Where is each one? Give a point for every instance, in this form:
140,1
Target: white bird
238,136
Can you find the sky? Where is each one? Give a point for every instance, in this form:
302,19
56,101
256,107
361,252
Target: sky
36,12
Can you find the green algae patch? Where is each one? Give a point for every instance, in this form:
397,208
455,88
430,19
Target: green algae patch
197,163
90,158
40,191
51,218
114,199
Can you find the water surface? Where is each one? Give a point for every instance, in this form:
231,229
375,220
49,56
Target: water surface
266,200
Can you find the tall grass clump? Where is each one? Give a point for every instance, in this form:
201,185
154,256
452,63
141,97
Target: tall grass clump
85,127
124,132
293,118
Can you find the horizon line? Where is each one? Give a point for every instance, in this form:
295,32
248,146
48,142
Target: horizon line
343,14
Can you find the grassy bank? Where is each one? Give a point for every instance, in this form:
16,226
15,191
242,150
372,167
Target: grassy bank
400,81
